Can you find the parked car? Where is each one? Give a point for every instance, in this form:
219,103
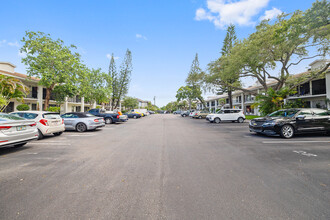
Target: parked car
132,115
192,112
200,114
226,115
185,113
177,112
16,131
109,118
81,121
47,122
151,112
288,122
122,118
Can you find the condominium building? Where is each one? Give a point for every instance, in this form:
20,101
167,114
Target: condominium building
315,93
36,98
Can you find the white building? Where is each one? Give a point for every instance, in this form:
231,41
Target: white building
36,98
314,93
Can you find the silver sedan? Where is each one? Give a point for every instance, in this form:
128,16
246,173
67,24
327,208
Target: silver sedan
16,131
81,121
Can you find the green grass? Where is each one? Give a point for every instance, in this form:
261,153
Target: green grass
249,117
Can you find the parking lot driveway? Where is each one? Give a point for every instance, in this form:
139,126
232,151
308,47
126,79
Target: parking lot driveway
167,167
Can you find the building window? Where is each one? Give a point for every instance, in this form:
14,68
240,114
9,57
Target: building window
34,106
318,87
304,89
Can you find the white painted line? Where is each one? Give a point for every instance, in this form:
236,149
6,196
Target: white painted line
79,135
45,143
292,142
304,153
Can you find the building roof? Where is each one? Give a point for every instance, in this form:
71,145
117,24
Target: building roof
19,75
8,63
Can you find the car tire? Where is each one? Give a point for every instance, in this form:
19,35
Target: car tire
200,117
58,133
108,121
287,131
81,127
20,145
240,120
134,116
40,135
217,120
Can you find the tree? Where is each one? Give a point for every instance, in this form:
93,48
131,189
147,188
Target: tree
130,103
187,93
223,74
114,81
124,78
11,88
50,60
94,85
282,44
195,79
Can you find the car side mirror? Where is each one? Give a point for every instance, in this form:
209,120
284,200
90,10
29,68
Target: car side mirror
300,117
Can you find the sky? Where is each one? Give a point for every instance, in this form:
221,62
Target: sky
163,35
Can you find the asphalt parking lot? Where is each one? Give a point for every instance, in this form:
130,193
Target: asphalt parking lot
167,167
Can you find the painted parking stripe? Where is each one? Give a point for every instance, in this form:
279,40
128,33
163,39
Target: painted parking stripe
49,143
289,142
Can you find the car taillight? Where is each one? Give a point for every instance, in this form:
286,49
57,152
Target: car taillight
34,124
196,114
96,120
44,122
117,116
62,121
4,127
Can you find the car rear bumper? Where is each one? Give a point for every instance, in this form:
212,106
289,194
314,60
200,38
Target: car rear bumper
94,126
53,129
18,139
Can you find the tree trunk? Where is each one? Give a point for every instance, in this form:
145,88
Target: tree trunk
230,97
189,104
48,91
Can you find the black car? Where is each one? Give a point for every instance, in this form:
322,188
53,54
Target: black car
132,115
185,113
288,122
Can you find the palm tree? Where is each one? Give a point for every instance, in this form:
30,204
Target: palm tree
11,88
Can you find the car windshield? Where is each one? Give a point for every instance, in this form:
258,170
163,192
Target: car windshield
284,113
89,115
11,117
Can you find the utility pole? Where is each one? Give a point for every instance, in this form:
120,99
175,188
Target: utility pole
154,100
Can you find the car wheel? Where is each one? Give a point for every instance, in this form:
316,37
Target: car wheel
200,117
20,145
58,133
240,120
108,120
217,120
134,117
287,131
40,135
81,127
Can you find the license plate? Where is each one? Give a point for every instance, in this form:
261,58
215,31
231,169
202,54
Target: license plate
20,128
254,123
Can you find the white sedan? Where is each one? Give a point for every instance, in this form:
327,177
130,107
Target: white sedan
47,122
16,131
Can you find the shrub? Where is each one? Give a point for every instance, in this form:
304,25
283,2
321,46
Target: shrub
54,109
23,107
98,106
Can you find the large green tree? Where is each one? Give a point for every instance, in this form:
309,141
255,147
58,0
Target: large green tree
50,60
222,75
130,103
11,88
188,93
121,82
195,80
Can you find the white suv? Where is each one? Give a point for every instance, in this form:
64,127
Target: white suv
47,122
226,115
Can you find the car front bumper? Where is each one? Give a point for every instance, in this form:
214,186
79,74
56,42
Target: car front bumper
268,130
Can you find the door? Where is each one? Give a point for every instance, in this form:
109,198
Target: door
321,120
69,120
305,124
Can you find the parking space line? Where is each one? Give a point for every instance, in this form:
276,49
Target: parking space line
49,143
289,142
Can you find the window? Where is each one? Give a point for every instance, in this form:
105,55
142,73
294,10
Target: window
306,112
320,112
227,111
52,116
284,113
34,106
318,87
11,117
30,115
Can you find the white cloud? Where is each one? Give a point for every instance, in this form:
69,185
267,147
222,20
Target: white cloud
225,12
108,55
141,36
270,14
14,44
2,42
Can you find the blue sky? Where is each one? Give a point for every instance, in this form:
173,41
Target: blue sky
162,35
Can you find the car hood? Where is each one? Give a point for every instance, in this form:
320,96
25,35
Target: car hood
266,118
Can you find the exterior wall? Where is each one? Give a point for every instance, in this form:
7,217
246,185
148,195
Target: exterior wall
8,67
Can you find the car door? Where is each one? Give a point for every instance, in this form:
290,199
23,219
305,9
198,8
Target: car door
225,116
68,120
321,120
304,121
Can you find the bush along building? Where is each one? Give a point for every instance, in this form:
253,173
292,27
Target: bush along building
36,97
314,93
